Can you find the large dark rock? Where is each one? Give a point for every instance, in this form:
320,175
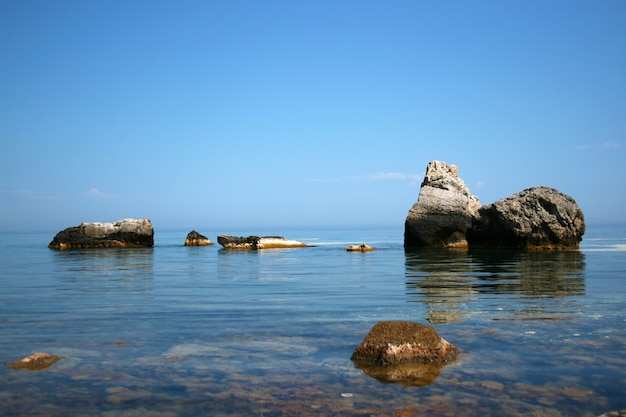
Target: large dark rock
536,218
256,242
123,233
196,239
443,211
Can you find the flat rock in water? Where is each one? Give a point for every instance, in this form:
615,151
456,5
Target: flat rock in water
35,362
256,242
120,234
360,248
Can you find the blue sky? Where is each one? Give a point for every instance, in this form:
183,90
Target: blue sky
280,114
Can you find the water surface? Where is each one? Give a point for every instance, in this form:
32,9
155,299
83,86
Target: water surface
194,331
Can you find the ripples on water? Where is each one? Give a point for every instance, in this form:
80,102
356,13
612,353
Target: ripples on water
185,331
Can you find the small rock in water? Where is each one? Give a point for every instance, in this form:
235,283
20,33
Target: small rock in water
196,239
360,248
35,362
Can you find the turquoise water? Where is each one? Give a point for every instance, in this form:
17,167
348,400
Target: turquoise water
195,331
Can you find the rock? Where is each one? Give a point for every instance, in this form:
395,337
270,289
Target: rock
256,242
196,239
394,342
621,413
536,218
443,211
122,233
360,248
35,362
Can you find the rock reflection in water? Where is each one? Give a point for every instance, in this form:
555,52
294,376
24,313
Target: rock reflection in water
456,284
106,269
408,374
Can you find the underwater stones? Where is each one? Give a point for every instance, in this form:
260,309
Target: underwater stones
256,242
120,234
196,239
35,362
536,218
443,211
360,248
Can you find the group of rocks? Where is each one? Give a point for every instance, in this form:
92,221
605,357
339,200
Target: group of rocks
445,215
127,233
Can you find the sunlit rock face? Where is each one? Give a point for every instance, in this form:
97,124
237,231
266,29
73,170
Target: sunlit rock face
443,211
447,216
122,233
536,218
256,242
403,352
196,239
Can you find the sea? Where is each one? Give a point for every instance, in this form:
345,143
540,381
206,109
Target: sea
203,331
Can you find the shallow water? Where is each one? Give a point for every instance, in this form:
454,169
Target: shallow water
183,331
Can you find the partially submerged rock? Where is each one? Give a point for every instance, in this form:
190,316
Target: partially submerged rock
196,239
443,211
536,218
256,242
393,342
120,234
402,352
360,248
35,362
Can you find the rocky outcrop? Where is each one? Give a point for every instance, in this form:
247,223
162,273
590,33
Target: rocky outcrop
443,211
122,233
394,342
35,362
196,239
536,218
447,216
256,242
360,248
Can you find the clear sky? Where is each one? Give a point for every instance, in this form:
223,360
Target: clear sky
217,115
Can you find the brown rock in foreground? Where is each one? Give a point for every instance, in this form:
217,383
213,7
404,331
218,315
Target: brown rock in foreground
394,342
196,239
35,362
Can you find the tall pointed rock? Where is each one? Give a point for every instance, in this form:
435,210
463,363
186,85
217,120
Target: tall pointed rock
443,211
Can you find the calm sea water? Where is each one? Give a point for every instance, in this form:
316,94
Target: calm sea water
200,331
